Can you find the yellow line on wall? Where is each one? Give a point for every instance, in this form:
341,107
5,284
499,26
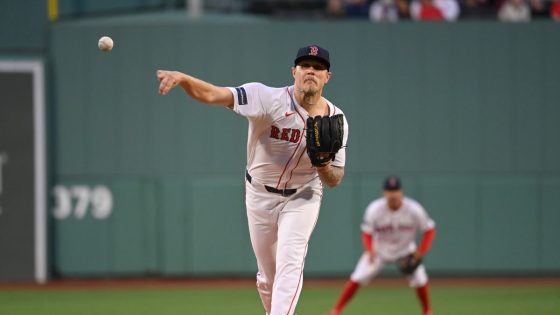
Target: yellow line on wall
53,10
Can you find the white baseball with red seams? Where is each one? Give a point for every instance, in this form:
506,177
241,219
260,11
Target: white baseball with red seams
280,225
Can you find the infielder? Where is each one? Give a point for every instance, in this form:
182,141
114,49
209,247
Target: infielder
284,185
389,230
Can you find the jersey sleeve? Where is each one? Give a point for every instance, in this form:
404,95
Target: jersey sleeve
368,220
247,101
423,219
340,157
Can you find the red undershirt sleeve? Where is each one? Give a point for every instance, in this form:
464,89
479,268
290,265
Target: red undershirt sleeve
427,239
367,241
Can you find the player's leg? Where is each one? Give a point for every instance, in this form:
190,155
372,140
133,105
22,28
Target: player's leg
347,293
295,224
263,232
364,272
263,241
419,281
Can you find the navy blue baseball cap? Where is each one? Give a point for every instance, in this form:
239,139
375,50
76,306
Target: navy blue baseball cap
392,183
313,52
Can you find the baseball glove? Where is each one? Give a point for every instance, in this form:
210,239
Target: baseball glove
324,138
408,264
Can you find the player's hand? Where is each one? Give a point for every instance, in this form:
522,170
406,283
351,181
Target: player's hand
167,80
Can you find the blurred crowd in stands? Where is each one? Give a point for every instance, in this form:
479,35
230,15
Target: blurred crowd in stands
416,10
374,10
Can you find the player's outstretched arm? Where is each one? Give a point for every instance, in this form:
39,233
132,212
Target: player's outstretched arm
330,175
199,90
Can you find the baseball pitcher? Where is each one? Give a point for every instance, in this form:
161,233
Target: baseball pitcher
296,143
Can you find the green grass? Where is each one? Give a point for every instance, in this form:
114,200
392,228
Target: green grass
315,300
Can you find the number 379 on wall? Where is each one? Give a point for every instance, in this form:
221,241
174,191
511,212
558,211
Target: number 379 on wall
79,199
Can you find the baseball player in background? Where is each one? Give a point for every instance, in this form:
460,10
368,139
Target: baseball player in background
389,230
283,188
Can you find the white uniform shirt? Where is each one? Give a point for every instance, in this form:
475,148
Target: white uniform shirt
276,145
394,232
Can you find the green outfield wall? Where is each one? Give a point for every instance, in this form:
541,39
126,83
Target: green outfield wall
23,27
466,113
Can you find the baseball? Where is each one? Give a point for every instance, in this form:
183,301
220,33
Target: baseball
105,43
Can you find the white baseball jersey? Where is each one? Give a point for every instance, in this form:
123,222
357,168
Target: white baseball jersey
276,144
394,232
280,224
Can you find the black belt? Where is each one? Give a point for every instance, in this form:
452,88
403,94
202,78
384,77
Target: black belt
283,192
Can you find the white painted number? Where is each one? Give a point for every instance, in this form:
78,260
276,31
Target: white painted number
62,202
99,200
102,202
81,194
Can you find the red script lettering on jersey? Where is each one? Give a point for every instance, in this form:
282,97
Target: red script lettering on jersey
286,134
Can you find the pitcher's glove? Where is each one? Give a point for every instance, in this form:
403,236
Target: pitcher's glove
408,263
324,138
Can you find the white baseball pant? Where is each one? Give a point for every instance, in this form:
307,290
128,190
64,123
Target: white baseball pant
280,228
365,271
